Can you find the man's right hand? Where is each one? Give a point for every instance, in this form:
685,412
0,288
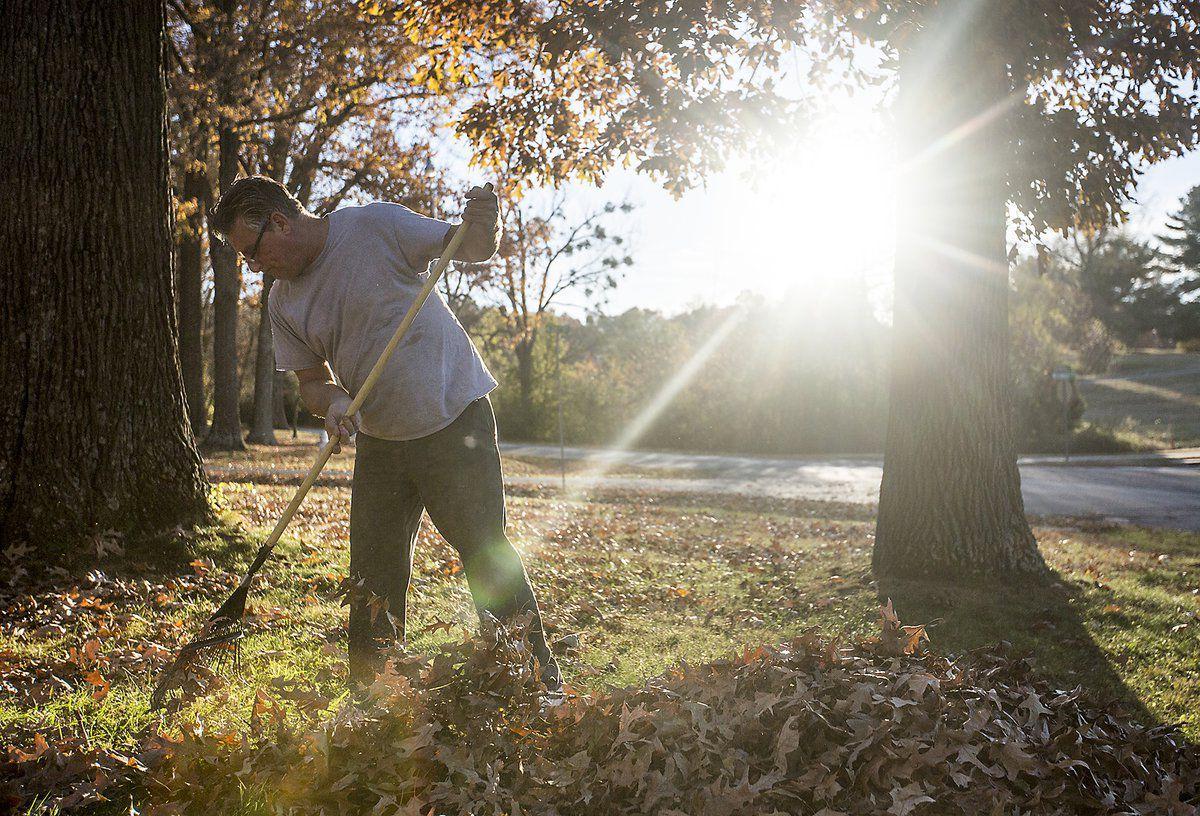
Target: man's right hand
338,424
324,397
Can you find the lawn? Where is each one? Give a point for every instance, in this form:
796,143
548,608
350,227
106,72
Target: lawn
1152,399
644,580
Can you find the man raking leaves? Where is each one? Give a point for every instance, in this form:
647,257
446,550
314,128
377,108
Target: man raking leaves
346,316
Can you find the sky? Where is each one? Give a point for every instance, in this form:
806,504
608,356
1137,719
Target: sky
822,214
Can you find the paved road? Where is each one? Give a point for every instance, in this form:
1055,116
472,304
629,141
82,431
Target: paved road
1161,489
1155,490
1154,374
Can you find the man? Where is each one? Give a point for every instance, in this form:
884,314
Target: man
426,434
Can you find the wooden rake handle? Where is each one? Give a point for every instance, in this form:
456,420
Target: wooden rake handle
377,371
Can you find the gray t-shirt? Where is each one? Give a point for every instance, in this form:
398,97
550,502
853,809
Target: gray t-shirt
346,305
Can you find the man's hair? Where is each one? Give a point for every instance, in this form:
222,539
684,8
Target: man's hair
253,198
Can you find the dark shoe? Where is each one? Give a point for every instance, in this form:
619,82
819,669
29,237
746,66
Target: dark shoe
551,676
367,647
554,694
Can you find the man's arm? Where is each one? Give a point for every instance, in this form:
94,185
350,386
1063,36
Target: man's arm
323,397
478,246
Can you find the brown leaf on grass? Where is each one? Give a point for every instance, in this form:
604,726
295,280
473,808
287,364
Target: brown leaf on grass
465,730
40,746
896,638
302,694
439,626
15,552
101,686
265,712
106,543
567,643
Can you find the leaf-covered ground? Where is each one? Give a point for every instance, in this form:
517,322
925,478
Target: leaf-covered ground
630,583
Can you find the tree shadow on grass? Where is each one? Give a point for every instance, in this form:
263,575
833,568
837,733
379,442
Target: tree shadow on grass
155,558
1039,620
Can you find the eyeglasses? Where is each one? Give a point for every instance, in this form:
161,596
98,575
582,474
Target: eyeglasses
253,253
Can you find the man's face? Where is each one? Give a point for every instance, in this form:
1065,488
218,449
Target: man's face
272,249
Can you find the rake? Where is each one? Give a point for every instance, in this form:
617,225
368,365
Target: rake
219,642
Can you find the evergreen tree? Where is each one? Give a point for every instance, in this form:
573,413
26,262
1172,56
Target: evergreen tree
1182,247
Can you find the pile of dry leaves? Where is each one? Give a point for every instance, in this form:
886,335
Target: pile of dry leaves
810,726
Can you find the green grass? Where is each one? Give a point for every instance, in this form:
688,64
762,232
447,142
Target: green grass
1149,399
648,580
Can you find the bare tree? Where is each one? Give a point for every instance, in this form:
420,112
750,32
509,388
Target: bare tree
542,258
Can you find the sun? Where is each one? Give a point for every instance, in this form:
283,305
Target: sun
825,209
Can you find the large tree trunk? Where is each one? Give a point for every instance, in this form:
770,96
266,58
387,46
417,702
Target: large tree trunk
93,429
262,430
226,430
190,293
950,503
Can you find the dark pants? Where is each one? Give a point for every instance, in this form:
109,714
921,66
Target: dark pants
455,475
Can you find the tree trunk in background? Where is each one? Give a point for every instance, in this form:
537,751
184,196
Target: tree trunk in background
226,430
950,502
93,429
524,354
285,408
262,429
280,402
190,293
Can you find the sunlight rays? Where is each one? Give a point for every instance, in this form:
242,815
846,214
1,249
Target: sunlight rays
815,222
608,458
654,408
964,256
958,134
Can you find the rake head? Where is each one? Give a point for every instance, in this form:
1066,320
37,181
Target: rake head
216,651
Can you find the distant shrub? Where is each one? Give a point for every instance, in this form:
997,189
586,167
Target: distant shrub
1091,438
1096,348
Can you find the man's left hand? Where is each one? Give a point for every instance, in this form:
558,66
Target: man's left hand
483,207
481,220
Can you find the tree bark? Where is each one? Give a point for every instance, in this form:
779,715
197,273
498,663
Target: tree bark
93,428
190,293
524,355
226,430
285,415
262,430
950,502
